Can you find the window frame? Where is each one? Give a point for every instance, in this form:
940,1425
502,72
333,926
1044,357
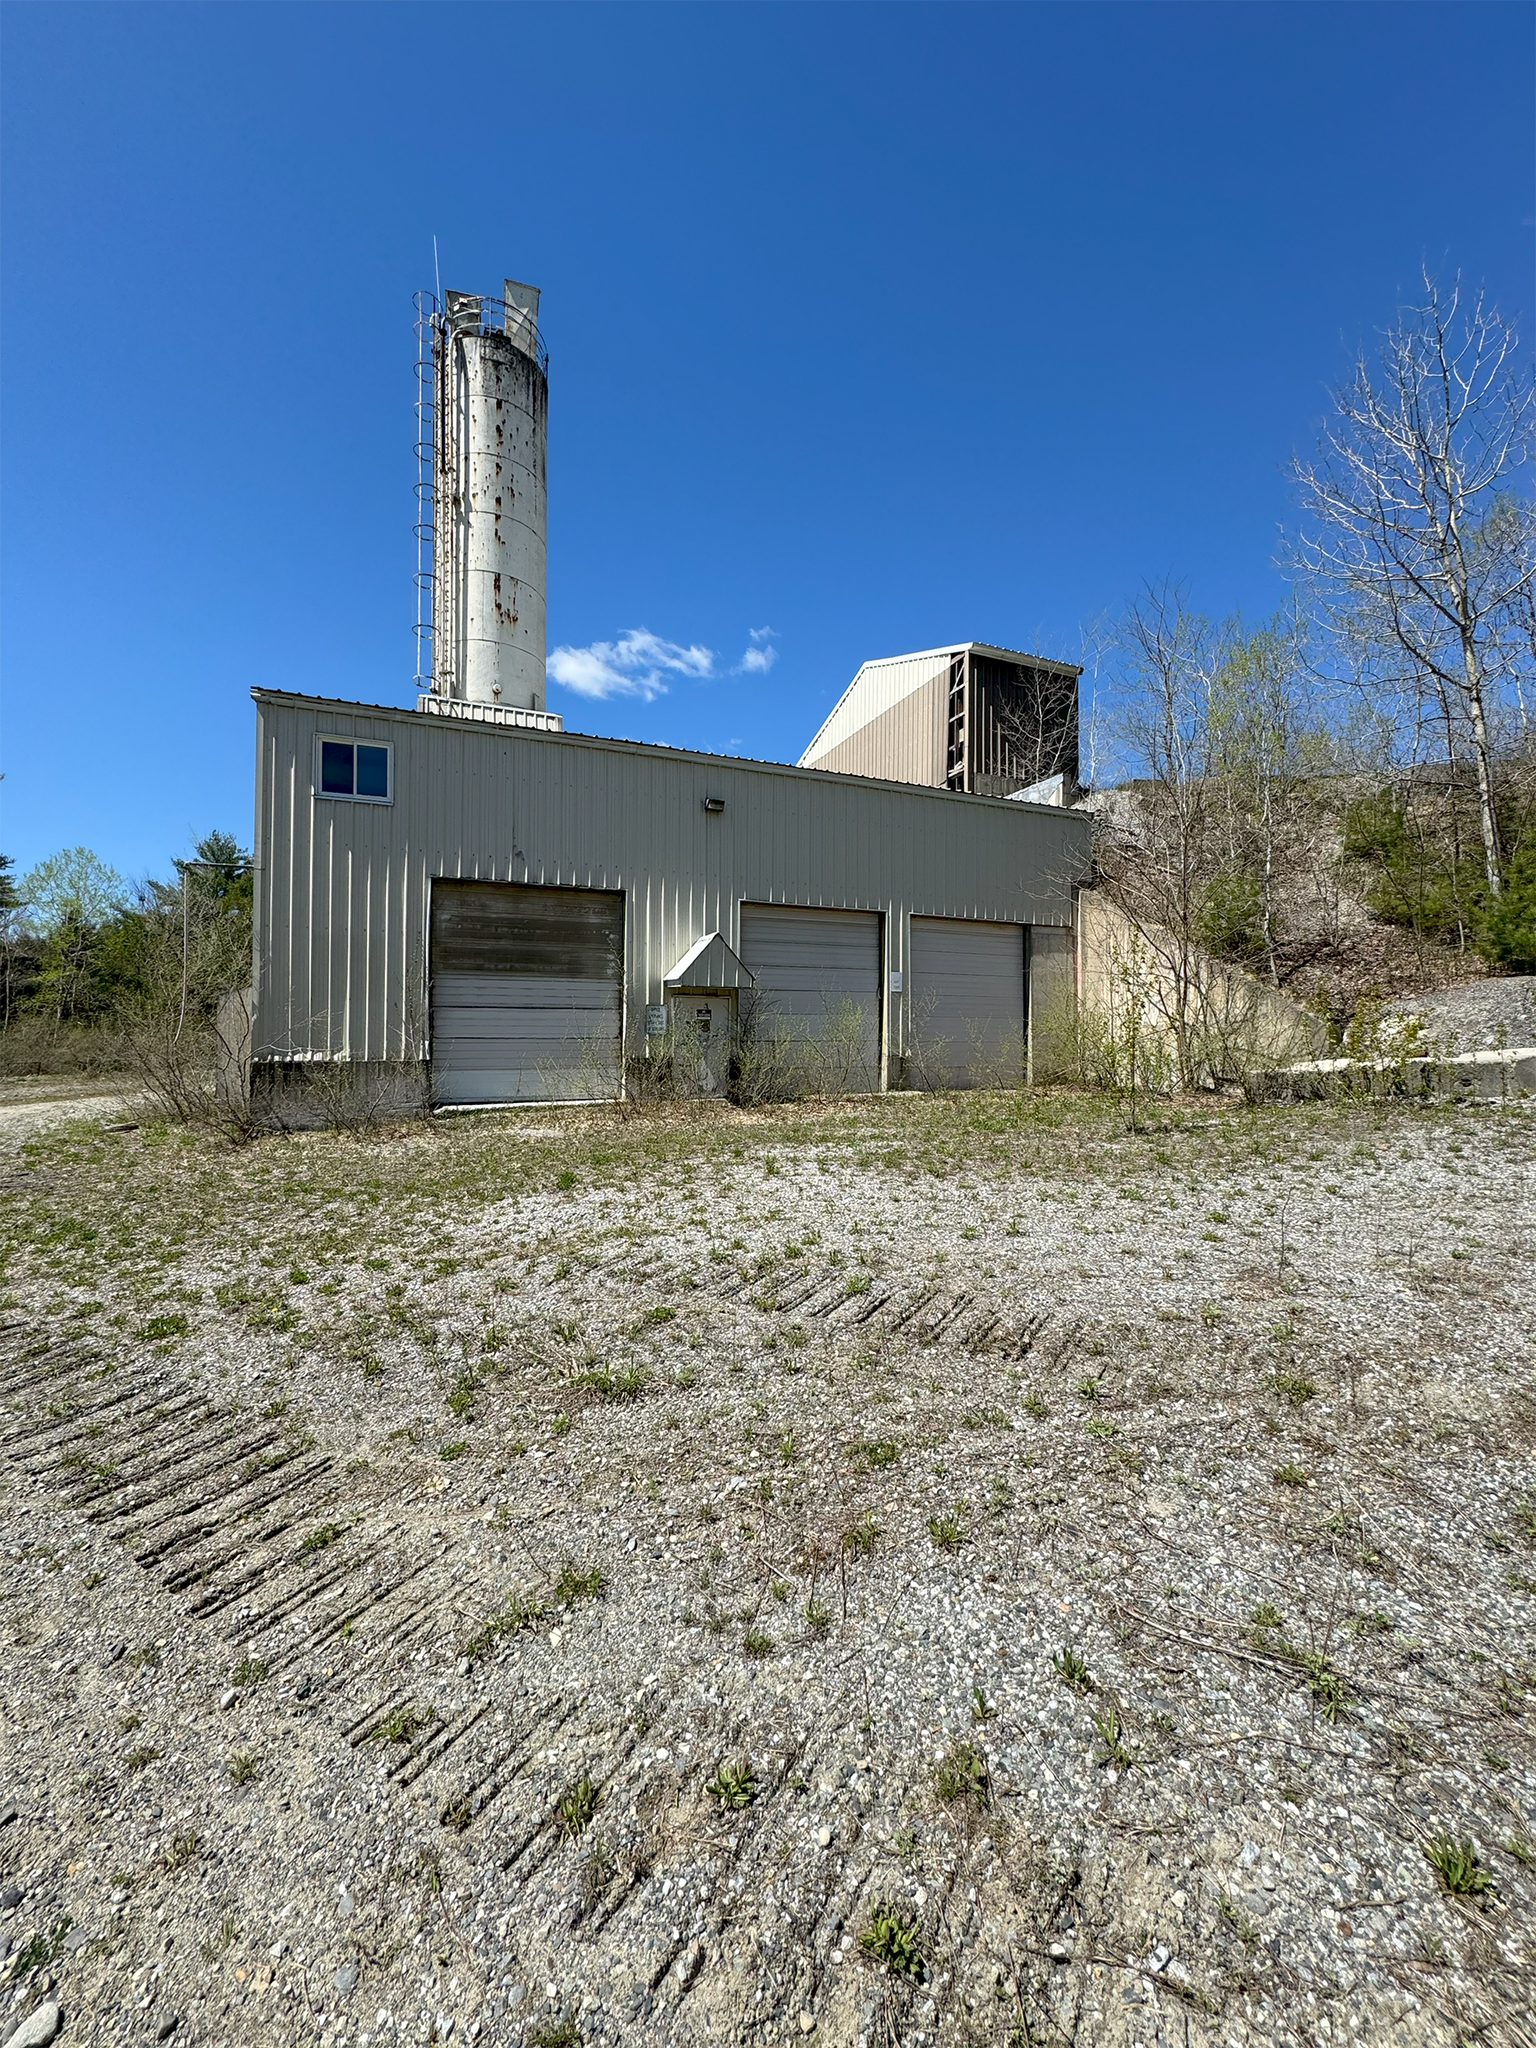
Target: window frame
342,796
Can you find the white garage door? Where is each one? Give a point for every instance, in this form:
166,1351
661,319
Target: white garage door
817,975
966,1025
527,993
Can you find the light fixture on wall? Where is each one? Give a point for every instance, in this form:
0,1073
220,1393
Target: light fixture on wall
714,805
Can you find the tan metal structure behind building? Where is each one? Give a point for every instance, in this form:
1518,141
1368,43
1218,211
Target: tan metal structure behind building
987,721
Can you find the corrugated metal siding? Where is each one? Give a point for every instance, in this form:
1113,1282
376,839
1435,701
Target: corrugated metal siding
967,1003
342,888
877,688
817,975
527,993
903,744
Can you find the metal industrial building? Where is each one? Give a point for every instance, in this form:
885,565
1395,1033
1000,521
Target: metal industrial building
463,904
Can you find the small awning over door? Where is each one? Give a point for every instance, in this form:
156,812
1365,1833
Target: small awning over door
709,964
527,993
966,1004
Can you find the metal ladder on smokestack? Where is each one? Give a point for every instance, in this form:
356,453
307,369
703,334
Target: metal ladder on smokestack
428,312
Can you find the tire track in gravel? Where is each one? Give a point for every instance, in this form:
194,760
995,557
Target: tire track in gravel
924,1311
209,1505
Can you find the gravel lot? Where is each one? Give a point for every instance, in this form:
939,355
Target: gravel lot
940,1570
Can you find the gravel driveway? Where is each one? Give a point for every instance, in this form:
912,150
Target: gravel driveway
940,1570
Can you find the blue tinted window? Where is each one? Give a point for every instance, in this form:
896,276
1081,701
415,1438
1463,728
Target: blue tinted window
336,767
373,771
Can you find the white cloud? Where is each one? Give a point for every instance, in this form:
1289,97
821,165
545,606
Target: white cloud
760,655
631,666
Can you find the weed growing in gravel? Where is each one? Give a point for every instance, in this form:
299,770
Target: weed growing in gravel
243,1768
1343,1522
321,1538
946,1531
628,1384
598,1871
1518,1847
734,1785
1326,1685
220,1944
818,1616
1239,1922
1089,1388
1034,1404
403,1724
861,1536
1072,1668
1289,1474
875,1457
757,1643
1375,1624
578,1808
1456,1865
891,1939
457,1813
514,1618
1111,1733
981,1709
1266,1615
448,1452
41,1950
1294,1386
140,1759
1102,1425
961,1774
160,1329
575,1584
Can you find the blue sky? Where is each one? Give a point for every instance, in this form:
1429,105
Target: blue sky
871,328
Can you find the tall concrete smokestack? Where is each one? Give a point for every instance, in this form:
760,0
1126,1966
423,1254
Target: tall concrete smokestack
491,423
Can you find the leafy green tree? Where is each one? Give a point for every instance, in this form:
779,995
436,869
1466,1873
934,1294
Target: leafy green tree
1507,932
74,885
12,934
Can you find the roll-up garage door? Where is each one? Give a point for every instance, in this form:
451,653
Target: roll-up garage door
966,1015
527,993
817,976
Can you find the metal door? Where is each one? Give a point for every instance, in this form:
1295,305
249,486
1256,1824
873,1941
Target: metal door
703,1041
966,1004
527,993
817,993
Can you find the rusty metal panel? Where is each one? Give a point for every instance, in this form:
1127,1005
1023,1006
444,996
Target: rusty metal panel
527,993
490,478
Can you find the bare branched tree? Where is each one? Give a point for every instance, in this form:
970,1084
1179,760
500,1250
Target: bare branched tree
1422,559
1153,848
1263,745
